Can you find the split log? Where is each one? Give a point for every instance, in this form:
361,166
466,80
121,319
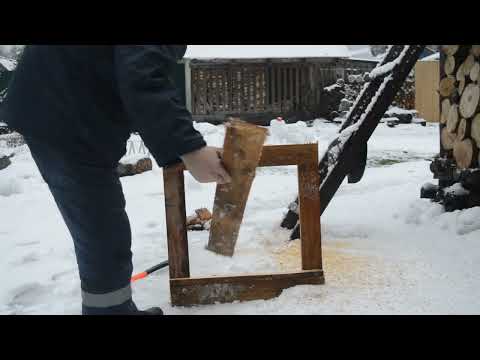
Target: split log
445,109
469,101
475,72
447,86
461,86
448,139
475,129
452,118
449,66
463,129
460,74
464,153
468,64
241,155
450,49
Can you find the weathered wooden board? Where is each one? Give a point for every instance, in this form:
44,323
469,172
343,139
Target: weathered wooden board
241,155
174,188
224,289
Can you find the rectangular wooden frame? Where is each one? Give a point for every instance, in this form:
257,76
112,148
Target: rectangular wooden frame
185,290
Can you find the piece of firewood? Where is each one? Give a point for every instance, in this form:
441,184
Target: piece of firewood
469,101
463,129
449,66
452,118
447,86
464,153
468,64
447,139
475,71
475,129
241,155
444,111
475,50
460,74
450,49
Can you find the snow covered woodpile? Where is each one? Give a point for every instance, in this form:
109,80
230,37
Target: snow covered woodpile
260,82
457,166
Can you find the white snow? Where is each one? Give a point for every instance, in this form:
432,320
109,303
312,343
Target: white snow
8,64
265,51
386,251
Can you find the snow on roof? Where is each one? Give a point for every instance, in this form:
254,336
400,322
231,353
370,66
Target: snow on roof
433,57
266,51
362,52
8,64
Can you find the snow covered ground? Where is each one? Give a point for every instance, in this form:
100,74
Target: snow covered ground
385,250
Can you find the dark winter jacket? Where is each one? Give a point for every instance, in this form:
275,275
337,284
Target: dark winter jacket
87,100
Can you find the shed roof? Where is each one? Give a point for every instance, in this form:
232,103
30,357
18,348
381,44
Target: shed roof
265,51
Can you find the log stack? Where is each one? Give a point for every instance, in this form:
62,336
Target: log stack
459,91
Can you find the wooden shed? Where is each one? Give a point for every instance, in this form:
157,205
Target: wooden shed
261,82
427,78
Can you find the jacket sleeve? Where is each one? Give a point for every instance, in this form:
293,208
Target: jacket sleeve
152,102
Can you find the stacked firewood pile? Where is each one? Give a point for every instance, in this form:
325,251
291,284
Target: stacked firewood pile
405,97
459,159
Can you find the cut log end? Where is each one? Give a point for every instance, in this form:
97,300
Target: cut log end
452,118
469,101
447,86
447,139
445,109
450,50
464,153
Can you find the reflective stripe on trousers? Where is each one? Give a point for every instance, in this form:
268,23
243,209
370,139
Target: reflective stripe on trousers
106,300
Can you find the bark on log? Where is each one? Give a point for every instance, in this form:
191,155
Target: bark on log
241,155
447,86
452,119
448,139
460,74
463,130
444,112
475,129
464,153
469,101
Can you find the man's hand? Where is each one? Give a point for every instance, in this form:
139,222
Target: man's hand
206,166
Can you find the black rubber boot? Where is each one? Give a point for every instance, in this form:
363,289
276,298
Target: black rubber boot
151,311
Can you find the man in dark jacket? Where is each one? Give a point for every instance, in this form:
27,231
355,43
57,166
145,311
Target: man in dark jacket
76,107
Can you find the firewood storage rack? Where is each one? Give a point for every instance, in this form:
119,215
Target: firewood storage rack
187,291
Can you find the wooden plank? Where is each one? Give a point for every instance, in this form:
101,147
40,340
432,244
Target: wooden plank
241,154
224,289
174,188
309,199
283,155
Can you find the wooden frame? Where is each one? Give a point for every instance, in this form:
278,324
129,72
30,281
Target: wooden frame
187,291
